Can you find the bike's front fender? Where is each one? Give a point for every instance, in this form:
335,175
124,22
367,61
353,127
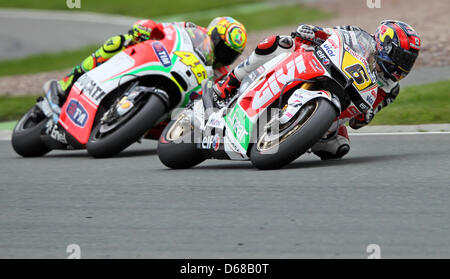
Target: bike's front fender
302,96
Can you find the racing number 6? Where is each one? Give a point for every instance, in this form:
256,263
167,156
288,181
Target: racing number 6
358,73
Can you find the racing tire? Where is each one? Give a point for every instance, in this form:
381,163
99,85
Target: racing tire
180,152
308,131
26,138
127,133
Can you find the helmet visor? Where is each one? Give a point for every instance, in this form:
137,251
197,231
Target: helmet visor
404,59
225,55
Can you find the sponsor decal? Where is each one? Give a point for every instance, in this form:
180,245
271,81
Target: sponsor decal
333,43
77,113
321,54
323,57
329,50
216,123
276,81
370,100
315,65
53,131
216,142
415,44
213,142
363,107
237,127
162,54
356,55
90,88
233,146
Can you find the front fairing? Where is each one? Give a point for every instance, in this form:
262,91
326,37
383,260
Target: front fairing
262,89
352,53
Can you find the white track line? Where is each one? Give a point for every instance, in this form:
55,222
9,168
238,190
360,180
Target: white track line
399,134
351,134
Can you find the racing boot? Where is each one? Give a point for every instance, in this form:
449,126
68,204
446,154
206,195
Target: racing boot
334,147
66,83
54,95
225,89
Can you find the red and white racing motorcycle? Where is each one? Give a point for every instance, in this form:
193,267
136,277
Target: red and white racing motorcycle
117,103
311,88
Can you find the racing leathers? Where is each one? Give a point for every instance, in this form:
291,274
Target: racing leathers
335,143
143,30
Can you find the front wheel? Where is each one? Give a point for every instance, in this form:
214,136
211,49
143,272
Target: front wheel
108,139
26,137
295,137
176,147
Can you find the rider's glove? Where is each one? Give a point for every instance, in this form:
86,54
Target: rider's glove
305,31
227,87
146,29
363,119
308,34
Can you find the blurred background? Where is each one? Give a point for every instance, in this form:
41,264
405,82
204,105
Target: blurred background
43,39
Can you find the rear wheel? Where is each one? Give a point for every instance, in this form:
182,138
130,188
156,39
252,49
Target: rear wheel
295,137
176,147
26,137
110,138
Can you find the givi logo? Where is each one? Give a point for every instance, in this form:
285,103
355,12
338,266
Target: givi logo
276,81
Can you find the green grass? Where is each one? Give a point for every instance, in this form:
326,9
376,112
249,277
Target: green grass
13,107
7,125
423,104
269,18
45,62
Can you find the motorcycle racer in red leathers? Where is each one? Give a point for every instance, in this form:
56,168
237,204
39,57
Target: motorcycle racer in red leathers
397,48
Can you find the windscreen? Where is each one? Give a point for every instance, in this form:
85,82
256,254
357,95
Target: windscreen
202,45
364,45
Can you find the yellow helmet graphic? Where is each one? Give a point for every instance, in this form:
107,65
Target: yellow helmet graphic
229,38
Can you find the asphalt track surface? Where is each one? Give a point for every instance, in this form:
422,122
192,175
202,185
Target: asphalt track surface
25,32
391,190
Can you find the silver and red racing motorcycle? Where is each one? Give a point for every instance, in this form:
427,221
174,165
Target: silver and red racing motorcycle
282,108
119,102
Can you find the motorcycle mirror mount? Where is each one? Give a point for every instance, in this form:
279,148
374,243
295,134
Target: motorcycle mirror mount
350,82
